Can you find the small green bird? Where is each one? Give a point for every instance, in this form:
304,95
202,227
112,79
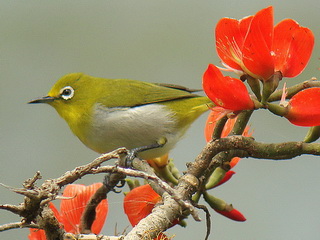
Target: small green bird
106,114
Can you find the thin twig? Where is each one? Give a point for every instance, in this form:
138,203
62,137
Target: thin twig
15,225
77,173
208,219
12,208
29,183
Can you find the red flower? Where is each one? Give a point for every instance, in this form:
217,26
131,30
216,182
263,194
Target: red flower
226,92
71,210
139,202
256,47
304,108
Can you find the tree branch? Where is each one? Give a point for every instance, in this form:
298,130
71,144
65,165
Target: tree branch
176,201
17,225
276,96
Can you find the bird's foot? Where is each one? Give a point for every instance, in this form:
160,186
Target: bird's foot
133,153
111,182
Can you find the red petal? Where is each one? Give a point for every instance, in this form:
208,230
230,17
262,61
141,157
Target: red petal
283,32
301,50
215,115
72,209
37,234
234,214
210,125
292,47
229,42
139,202
256,53
304,108
228,127
244,25
229,93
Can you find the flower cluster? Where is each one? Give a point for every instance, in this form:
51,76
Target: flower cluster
262,54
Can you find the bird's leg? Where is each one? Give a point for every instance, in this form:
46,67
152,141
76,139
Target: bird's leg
132,154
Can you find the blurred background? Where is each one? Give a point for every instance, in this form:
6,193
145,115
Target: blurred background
156,41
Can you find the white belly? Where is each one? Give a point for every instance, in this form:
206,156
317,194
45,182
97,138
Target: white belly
132,128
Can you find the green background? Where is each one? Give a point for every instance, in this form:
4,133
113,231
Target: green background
156,41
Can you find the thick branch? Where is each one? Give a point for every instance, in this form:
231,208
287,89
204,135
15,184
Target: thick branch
248,147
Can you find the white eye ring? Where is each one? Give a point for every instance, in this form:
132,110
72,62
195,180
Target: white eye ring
67,92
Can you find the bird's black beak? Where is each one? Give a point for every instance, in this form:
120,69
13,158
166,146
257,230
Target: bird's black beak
46,99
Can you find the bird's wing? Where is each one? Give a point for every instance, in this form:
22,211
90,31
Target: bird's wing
131,93
178,87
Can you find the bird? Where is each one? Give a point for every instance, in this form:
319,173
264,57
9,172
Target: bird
106,114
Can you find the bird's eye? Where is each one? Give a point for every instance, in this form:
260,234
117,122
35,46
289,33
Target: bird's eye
67,92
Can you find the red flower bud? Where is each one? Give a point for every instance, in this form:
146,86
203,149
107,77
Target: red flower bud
234,214
304,108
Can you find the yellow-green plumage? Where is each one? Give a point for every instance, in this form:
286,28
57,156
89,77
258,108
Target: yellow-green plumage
106,114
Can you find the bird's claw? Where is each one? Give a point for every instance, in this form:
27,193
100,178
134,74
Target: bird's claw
133,153
111,187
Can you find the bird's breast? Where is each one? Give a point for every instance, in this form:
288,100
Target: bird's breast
132,127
